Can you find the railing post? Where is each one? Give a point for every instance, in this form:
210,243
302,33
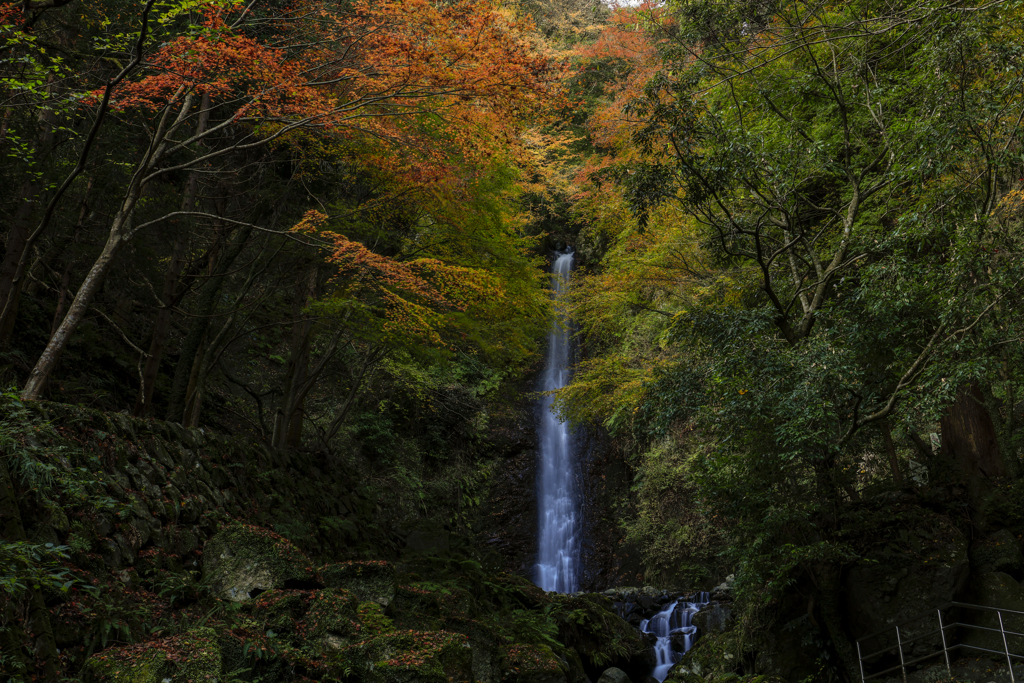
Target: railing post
903,667
945,650
1006,648
860,660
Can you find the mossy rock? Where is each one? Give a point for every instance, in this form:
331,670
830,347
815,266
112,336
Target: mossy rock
332,619
241,561
368,581
589,625
417,607
532,664
278,610
485,644
193,657
372,620
409,657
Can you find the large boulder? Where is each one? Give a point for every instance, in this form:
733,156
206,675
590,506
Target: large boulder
715,616
242,561
714,656
589,625
332,620
908,572
993,589
186,658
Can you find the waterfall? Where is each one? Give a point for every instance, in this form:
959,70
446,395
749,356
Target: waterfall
673,627
557,499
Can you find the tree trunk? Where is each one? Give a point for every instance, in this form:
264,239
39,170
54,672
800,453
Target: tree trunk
288,420
172,278
969,439
40,374
194,339
120,231
890,450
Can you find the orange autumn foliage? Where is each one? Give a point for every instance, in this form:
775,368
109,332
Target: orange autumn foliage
400,300
446,84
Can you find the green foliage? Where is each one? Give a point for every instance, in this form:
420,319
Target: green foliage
36,566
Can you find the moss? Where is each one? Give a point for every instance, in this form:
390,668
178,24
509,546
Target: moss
332,615
420,657
193,657
241,560
373,621
369,581
278,610
589,625
532,664
715,656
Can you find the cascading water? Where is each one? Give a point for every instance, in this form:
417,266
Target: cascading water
674,629
558,502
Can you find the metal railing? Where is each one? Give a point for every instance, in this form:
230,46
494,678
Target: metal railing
947,647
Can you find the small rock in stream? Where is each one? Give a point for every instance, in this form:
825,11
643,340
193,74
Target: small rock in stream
613,675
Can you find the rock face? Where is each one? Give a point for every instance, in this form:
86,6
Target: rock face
914,574
993,589
241,561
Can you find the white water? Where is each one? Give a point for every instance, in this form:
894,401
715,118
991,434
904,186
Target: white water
557,499
675,621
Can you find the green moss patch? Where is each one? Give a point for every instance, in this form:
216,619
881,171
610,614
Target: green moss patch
372,620
193,657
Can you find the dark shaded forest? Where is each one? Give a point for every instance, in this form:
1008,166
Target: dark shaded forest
273,299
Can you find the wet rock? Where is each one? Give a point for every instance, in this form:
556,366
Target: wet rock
369,581
682,641
613,675
714,616
241,561
647,603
